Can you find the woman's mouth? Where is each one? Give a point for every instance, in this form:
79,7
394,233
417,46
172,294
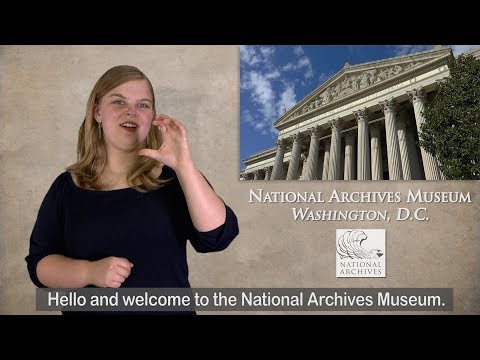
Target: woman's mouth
129,126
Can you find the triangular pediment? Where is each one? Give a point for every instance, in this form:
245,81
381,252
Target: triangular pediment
353,79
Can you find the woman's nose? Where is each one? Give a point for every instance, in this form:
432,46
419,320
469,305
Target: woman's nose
130,110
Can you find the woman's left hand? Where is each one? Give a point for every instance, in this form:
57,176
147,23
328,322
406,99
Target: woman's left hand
174,151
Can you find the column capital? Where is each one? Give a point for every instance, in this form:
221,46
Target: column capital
281,143
388,105
267,168
314,131
361,115
295,137
335,123
416,95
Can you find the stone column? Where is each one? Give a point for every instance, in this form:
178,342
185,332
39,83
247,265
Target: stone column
335,151
256,174
363,155
319,173
326,160
294,157
303,157
417,97
415,169
278,164
393,151
310,167
268,172
402,144
348,173
376,152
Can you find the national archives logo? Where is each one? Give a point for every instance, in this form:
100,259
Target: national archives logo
361,253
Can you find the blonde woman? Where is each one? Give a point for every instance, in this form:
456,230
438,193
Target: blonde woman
122,214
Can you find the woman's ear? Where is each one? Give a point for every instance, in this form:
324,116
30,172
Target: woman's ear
96,113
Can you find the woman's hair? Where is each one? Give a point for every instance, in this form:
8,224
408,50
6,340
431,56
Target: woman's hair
91,149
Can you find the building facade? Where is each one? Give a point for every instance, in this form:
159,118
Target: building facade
361,124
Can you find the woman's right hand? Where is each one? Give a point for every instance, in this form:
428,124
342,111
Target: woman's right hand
109,272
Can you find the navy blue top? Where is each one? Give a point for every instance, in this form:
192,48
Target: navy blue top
149,229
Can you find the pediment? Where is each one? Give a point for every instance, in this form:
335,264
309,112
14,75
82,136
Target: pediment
353,79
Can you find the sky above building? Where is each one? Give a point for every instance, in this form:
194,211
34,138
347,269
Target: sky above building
274,78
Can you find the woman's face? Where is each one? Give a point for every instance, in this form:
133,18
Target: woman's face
126,114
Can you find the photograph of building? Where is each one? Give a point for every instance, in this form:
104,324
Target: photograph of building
362,123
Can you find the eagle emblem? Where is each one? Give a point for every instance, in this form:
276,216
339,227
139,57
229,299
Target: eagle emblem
349,245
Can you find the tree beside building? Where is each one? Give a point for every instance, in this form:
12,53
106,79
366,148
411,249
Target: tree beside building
451,131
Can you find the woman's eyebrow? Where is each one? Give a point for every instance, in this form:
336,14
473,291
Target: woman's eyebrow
123,97
119,95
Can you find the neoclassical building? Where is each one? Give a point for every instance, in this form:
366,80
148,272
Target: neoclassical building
361,124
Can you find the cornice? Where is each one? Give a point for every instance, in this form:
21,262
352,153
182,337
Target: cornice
262,155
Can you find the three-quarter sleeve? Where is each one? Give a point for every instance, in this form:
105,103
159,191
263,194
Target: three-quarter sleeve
202,241
216,239
47,233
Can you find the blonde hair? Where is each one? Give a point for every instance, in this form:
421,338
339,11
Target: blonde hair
91,149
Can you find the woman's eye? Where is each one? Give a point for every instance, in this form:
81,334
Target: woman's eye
118,102
145,106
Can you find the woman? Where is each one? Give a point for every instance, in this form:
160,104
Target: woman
121,215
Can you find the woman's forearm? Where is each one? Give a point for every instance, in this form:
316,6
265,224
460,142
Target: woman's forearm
206,208
58,271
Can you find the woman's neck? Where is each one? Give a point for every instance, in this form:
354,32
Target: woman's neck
114,175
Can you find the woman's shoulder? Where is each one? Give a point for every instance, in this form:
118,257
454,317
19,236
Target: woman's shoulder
62,179
65,180
61,182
